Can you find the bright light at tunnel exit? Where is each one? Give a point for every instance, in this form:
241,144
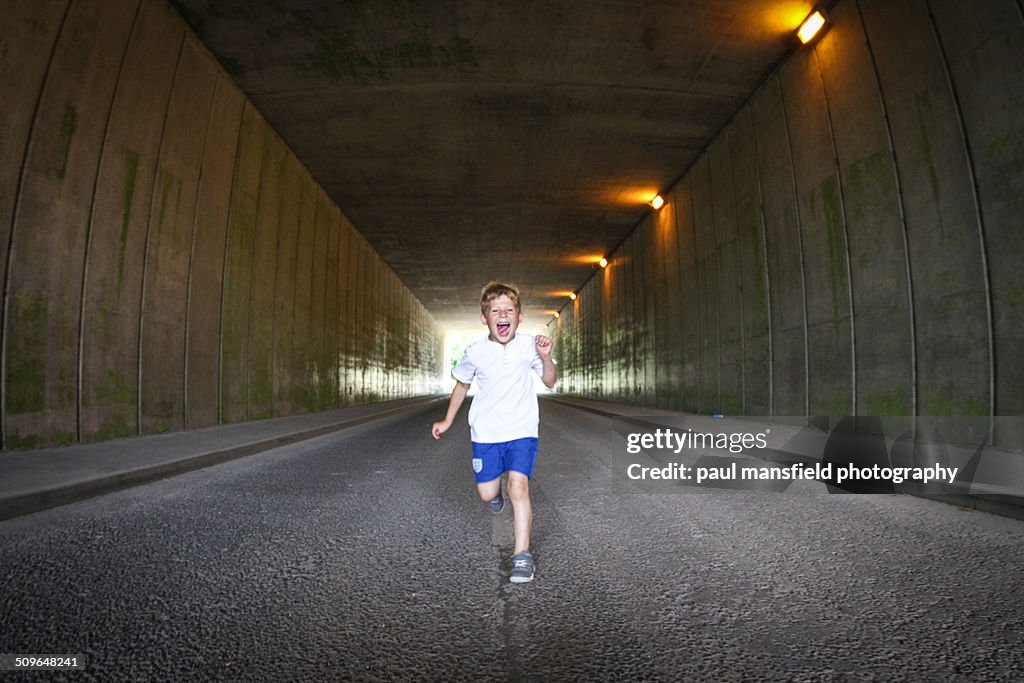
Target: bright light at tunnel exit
455,343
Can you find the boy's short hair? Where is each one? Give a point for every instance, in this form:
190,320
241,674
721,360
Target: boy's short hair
492,290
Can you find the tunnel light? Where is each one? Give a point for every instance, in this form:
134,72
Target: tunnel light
811,26
557,314
657,202
572,296
603,262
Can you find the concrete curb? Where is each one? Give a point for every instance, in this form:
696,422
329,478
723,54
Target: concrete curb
91,487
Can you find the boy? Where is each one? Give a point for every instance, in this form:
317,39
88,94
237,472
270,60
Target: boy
504,416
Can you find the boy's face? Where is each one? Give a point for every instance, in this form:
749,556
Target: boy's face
502,319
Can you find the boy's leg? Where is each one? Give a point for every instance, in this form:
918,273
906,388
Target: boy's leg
520,459
487,468
489,490
522,509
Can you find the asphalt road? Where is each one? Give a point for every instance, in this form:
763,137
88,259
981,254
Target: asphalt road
366,555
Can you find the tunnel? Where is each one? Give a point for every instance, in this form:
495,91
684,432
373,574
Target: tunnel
243,247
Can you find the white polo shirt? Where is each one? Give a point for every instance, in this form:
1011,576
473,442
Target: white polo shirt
505,405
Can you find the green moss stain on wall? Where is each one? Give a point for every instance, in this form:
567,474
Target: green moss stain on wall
757,278
834,401
26,376
300,395
824,204
870,183
867,180
113,389
117,391
943,404
116,427
18,440
338,55
68,125
131,173
234,330
887,403
939,404
261,385
21,441
67,387
165,192
972,406
732,404
836,247
926,155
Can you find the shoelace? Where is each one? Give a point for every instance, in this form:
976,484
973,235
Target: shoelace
522,563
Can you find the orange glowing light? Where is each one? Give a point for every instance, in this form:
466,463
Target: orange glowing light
572,296
810,27
657,202
628,197
603,262
585,258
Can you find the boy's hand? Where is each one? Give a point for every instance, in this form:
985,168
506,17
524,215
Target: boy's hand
440,428
543,346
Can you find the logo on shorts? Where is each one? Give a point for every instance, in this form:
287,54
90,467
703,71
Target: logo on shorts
478,465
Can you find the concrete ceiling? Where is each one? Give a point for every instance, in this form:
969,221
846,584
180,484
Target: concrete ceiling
479,140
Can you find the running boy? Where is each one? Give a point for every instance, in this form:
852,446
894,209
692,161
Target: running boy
504,416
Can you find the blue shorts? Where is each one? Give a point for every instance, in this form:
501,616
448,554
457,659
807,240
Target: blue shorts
491,459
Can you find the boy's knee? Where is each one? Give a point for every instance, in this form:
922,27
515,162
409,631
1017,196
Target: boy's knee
518,487
488,490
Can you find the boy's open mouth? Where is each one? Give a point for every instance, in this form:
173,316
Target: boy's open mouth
503,327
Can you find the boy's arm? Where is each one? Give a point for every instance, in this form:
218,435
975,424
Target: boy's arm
454,403
550,373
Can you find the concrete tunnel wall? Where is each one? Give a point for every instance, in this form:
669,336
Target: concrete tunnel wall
168,263
850,244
